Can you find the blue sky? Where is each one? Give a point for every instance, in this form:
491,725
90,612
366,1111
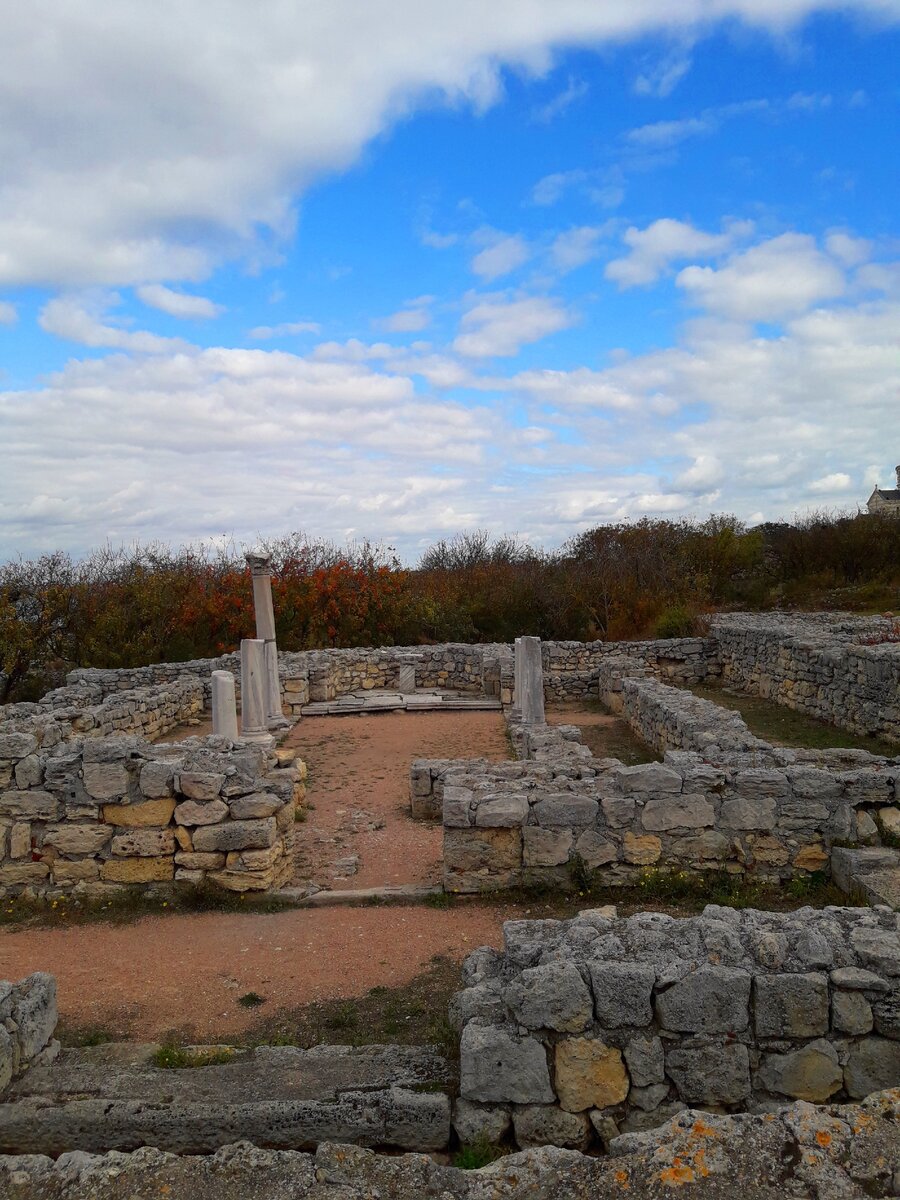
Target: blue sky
396,269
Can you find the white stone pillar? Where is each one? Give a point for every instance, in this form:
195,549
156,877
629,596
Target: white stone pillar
530,681
224,705
261,572
253,692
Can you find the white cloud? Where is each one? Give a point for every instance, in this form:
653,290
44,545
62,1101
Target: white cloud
653,249
8,313
575,247
706,472
661,134
136,182
838,481
178,304
79,319
551,188
575,89
498,326
410,319
503,255
662,77
263,333
848,250
775,279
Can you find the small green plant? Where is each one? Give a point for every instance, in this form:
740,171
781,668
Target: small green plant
676,622
251,1000
344,1016
479,1154
175,1058
300,815
580,873
439,900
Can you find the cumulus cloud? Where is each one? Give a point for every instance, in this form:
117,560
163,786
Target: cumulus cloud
498,325
80,319
503,255
838,481
178,304
652,250
8,313
414,316
263,333
776,279
575,247
140,182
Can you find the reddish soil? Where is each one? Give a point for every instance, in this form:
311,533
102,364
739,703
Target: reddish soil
358,792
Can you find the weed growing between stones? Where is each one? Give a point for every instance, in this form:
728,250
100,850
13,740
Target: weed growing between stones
479,1154
251,1000
176,1058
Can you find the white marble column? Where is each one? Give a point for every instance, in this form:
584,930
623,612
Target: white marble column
529,683
253,692
261,571
224,705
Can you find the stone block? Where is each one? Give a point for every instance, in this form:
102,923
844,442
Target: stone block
648,1098
137,870
812,857
769,851
200,785
877,949
709,1000
23,872
502,812
553,996
748,812
810,1073
547,1125
482,849
677,812
149,813
623,993
67,871
196,860
499,1066
105,780
546,847
17,745
589,1074
36,1014
888,817
480,1123
157,778
78,839
242,881
566,810
873,1064
32,805
645,1059
20,840
201,812
648,777
596,850
457,804
184,875
236,835
886,1011
706,845
183,838
144,843
712,1073
618,810
851,1013
252,807
762,783
855,979
641,851
791,1006
29,772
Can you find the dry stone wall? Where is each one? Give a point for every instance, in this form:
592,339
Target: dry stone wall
27,1022
579,1030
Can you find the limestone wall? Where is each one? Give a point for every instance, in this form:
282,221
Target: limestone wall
96,814
578,1030
816,663
27,1022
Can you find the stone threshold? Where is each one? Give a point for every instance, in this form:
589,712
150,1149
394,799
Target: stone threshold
330,898
420,701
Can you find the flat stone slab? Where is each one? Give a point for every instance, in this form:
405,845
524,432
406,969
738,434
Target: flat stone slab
422,700
112,1097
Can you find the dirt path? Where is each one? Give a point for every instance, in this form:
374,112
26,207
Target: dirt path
358,832
185,973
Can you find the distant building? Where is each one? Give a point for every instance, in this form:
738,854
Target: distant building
886,501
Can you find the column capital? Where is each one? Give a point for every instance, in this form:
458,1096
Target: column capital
259,563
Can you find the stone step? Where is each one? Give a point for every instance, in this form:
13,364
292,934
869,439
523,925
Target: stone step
368,702
112,1097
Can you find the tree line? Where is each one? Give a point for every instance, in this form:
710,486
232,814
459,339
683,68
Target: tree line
125,607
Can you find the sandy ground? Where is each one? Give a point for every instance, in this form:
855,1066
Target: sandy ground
358,831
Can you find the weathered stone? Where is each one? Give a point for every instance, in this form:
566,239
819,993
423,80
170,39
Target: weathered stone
137,870
545,847
886,1011
252,807
888,817
144,843
648,777
856,979
242,881
622,993
769,851
618,810
748,812
480,1123
501,812
33,805
17,745
496,1065
645,1058
150,812
873,1064
105,780
866,829
791,1006
677,812
714,1073
851,1013
67,871
566,810
589,1074
877,949
551,997
810,1073
457,804
482,849
547,1125
709,1000
648,1098
78,839
20,839
200,812
200,785
641,851
29,772
595,850
157,778
23,872
706,845
811,858
195,860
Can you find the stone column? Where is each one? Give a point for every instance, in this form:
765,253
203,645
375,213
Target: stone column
261,571
253,692
224,706
529,684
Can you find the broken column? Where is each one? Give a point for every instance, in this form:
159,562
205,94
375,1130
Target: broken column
529,681
261,571
253,692
224,705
